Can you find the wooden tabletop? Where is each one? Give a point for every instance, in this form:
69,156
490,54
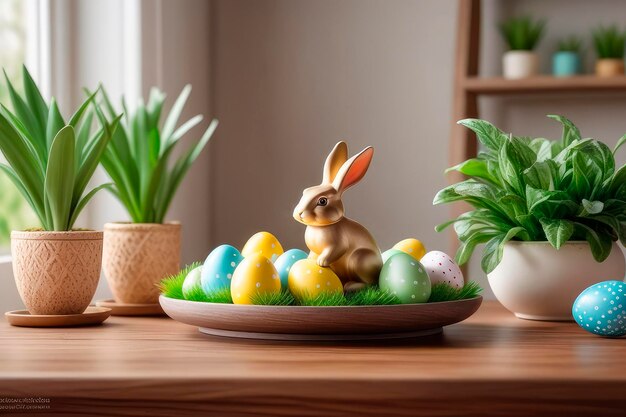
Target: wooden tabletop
491,364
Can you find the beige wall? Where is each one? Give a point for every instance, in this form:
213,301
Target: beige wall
292,77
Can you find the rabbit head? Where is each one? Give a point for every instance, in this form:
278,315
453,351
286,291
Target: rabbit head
321,205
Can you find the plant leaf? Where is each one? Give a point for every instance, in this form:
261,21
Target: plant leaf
59,184
557,231
83,202
495,248
489,135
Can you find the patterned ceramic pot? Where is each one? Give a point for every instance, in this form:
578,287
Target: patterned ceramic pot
56,272
137,256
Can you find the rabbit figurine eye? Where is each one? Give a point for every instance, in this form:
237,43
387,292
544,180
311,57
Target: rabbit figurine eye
322,201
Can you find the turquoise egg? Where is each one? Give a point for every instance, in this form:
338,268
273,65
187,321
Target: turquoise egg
406,278
218,268
600,309
192,280
389,253
284,263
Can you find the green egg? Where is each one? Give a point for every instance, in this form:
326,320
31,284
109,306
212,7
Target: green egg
405,277
389,253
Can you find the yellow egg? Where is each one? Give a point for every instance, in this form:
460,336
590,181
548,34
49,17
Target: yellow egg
306,278
263,243
254,275
413,247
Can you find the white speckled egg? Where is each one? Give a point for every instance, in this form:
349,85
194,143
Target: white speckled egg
600,309
192,280
441,268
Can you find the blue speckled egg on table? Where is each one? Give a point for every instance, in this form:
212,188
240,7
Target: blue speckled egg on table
218,268
600,309
284,263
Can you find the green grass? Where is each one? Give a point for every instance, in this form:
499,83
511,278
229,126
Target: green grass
444,292
609,42
172,287
522,33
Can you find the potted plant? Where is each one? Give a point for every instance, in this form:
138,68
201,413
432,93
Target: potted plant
549,214
521,34
138,255
566,60
609,43
56,268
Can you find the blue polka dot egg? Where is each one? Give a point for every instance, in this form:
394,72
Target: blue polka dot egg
601,309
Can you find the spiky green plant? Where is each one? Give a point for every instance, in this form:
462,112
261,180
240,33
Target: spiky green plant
51,161
137,158
522,33
538,190
571,43
609,42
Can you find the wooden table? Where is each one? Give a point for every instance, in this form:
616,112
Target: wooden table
492,364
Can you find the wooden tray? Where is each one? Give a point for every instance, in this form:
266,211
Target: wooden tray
320,323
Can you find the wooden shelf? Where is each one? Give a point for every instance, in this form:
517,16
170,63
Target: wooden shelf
544,84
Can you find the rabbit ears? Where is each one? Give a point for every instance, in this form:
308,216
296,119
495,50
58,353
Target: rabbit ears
341,172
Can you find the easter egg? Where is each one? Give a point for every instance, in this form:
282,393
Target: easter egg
308,279
254,275
413,247
219,267
284,263
405,277
600,309
192,280
442,269
263,243
389,253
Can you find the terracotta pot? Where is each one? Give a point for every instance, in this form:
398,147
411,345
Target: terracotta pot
520,64
137,256
56,272
537,282
609,67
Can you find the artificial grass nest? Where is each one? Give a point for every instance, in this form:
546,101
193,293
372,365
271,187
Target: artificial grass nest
172,287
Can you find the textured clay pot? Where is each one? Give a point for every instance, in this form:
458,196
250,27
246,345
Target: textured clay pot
520,64
609,67
537,282
56,272
137,256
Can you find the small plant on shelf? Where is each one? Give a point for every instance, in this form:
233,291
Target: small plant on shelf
609,45
522,34
566,61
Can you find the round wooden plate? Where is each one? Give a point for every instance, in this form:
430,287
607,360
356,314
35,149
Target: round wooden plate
91,316
127,309
320,323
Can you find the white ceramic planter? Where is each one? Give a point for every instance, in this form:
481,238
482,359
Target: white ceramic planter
520,64
537,282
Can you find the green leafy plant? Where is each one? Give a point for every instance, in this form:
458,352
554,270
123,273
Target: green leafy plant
137,158
537,190
51,161
609,42
522,33
571,43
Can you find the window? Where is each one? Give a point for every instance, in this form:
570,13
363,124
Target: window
14,24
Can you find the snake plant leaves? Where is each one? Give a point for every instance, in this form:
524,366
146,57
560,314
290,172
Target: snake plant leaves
138,158
49,164
535,189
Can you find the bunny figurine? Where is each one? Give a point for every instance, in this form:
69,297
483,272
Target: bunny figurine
334,240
